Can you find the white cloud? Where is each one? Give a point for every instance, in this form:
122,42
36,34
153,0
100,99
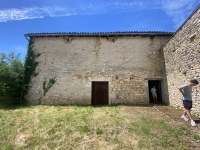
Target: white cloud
80,9
178,10
34,12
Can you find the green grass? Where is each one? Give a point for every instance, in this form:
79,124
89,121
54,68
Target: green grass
87,127
160,135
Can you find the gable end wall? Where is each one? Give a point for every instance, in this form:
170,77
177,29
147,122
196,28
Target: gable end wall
182,61
124,62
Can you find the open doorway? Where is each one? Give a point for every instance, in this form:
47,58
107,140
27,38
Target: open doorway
157,84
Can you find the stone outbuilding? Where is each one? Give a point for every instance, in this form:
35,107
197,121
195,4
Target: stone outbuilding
105,68
97,68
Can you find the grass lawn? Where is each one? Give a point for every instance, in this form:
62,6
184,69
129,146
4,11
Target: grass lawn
96,128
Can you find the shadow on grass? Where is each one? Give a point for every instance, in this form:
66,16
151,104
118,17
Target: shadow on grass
13,107
20,106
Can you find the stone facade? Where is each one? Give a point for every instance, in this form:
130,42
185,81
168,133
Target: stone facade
126,62
182,60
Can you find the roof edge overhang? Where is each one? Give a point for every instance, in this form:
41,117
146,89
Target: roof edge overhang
100,34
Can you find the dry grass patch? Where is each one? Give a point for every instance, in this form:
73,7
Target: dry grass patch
94,128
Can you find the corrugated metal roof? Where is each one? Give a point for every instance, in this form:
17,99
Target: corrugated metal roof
100,34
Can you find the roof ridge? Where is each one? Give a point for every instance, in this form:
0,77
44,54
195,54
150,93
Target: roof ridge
98,33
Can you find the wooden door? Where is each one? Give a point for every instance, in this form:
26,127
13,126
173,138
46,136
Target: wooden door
99,93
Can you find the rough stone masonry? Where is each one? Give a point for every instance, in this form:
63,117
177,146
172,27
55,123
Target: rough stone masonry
182,60
126,60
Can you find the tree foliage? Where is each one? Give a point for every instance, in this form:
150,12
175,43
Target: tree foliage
11,78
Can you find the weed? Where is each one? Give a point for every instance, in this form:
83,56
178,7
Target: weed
52,131
59,120
99,131
196,137
84,128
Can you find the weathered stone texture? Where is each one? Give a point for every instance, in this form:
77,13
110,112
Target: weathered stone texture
182,60
77,61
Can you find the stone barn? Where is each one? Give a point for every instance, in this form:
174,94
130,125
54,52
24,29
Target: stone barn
113,67
97,68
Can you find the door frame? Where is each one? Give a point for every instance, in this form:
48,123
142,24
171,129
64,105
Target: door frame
146,81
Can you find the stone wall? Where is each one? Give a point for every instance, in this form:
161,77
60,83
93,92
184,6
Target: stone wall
182,59
77,61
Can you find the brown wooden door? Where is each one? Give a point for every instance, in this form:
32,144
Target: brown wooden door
99,93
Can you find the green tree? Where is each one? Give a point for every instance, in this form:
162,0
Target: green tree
11,78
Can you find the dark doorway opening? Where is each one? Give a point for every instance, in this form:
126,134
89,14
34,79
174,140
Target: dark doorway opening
99,93
157,84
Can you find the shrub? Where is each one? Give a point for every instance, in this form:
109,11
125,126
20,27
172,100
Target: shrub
11,78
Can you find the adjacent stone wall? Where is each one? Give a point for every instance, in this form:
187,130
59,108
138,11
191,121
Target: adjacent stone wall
77,61
182,59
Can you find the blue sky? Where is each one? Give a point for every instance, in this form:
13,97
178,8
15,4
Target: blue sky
18,17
